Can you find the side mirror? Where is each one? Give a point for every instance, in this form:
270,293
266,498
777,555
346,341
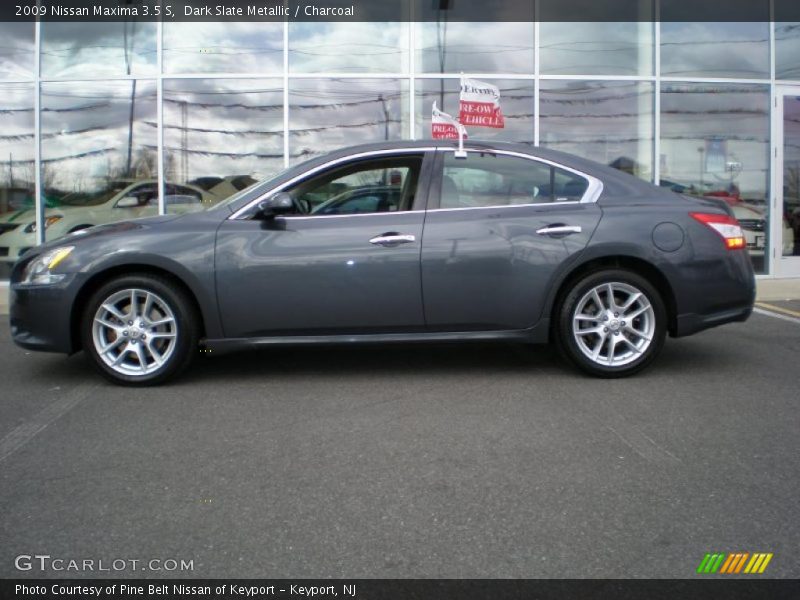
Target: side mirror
128,202
277,204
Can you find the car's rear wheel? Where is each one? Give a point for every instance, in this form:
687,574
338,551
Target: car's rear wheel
139,330
611,323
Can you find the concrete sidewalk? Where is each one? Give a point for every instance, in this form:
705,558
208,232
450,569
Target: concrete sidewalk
778,289
768,290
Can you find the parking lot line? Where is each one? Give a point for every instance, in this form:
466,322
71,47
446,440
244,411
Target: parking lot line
776,315
23,433
780,309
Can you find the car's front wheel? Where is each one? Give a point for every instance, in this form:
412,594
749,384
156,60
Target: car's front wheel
611,323
139,330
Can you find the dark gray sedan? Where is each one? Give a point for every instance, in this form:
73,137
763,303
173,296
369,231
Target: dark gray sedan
508,243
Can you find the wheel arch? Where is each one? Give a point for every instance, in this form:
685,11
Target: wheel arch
636,264
101,277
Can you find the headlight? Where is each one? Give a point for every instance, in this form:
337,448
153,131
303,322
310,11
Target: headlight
47,222
39,270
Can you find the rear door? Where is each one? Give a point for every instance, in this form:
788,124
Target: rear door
498,226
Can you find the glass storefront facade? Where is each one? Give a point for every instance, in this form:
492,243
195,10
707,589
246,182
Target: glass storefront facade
93,116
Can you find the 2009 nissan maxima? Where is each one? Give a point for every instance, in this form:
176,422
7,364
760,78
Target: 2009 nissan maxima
392,242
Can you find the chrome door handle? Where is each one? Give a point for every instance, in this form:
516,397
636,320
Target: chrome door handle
393,239
559,230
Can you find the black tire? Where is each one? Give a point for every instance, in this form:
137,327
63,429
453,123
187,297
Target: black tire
578,296
181,346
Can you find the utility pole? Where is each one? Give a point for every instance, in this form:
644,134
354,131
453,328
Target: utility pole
184,176
132,113
385,117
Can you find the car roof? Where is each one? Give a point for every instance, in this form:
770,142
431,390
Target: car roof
615,183
622,183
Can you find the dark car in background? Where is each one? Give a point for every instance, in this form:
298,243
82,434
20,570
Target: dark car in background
508,243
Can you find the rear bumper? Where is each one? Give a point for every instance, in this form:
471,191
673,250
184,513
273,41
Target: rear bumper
688,324
712,291
40,316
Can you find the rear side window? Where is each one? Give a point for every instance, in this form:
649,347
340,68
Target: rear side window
485,180
568,187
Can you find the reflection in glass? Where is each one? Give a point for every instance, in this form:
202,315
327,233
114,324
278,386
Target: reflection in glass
327,114
787,50
348,47
516,102
715,142
445,47
596,48
98,49
98,153
17,164
16,50
609,122
207,47
220,136
715,50
497,180
791,176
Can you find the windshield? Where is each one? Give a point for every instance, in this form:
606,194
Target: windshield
93,198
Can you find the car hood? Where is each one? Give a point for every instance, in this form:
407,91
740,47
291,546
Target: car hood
19,217
28,215
108,229
129,225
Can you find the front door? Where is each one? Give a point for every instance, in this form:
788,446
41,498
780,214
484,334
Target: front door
786,222
498,227
346,262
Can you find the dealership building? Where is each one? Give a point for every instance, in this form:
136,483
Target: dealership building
95,114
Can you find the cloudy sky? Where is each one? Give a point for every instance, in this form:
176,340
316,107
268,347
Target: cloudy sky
233,126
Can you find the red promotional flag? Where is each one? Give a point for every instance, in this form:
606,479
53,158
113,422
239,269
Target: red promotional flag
479,104
443,126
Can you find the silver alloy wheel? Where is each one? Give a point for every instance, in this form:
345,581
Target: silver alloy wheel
134,332
614,324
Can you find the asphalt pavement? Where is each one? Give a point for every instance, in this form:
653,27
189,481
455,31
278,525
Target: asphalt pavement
407,461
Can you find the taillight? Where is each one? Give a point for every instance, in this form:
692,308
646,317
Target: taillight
726,226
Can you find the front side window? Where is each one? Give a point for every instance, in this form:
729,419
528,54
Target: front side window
145,195
485,180
371,186
179,194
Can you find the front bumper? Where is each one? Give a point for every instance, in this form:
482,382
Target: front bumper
41,315
11,254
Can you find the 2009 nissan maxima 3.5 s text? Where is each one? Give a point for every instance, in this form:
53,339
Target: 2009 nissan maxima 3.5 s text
403,241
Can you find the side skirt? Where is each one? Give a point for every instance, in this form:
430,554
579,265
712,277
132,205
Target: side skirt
535,335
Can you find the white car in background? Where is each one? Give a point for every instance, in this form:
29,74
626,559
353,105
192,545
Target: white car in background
231,185
753,220
223,187
122,200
